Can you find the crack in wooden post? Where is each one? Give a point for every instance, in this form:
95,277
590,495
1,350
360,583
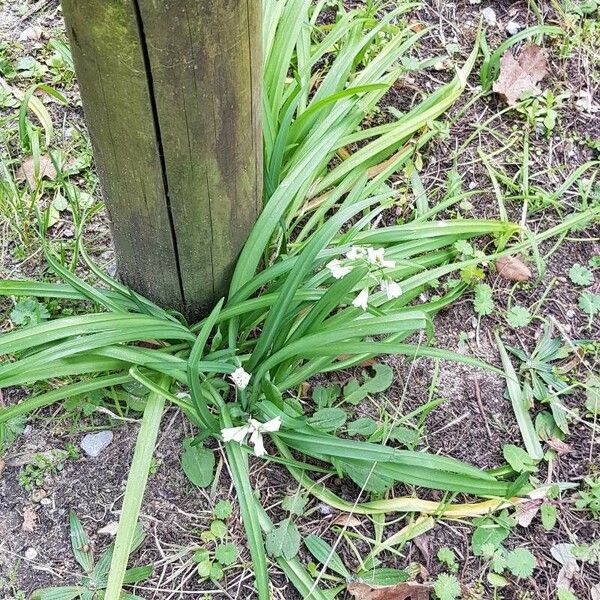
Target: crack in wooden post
161,154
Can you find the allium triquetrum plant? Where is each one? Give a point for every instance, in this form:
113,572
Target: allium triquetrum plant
317,288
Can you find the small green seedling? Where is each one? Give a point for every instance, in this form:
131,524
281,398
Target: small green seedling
33,474
212,561
589,498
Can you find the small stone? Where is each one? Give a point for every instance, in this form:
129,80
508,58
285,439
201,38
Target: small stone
27,431
94,443
39,494
324,509
489,15
513,27
570,313
31,554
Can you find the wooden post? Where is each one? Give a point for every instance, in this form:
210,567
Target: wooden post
171,91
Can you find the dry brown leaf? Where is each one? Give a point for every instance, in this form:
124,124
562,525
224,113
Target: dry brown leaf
27,170
29,518
304,389
31,34
527,511
520,76
409,590
559,446
573,362
415,26
344,520
110,529
513,268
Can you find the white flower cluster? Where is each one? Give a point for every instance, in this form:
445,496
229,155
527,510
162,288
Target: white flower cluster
375,258
240,378
254,429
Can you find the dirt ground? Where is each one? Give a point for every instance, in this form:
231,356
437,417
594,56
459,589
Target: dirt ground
472,425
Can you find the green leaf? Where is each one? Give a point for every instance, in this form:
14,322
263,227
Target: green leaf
521,562
218,529
226,554
518,459
223,509
137,479
446,587
464,248
203,569
518,316
563,593
488,533
137,574
325,396
364,426
589,303
484,300
383,576
29,312
549,514
58,593
379,382
283,540
496,580
519,404
326,555
592,394
198,463
216,572
581,275
295,504
328,419
201,555
448,557
81,544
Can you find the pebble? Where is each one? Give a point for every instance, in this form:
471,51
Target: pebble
513,27
489,15
570,313
94,443
31,554
324,509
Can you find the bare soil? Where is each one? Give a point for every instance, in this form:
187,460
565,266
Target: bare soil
472,425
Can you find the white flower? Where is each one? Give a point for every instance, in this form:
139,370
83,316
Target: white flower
240,378
391,288
362,299
337,269
356,252
376,256
235,434
254,429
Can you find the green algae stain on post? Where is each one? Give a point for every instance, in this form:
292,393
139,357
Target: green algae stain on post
171,91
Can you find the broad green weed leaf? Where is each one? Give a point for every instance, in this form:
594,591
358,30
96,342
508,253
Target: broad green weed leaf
379,382
328,419
198,464
521,562
283,540
325,554
364,426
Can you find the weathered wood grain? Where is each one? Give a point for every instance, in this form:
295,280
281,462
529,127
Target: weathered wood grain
172,95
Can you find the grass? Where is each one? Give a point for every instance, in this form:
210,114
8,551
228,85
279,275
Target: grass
287,318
